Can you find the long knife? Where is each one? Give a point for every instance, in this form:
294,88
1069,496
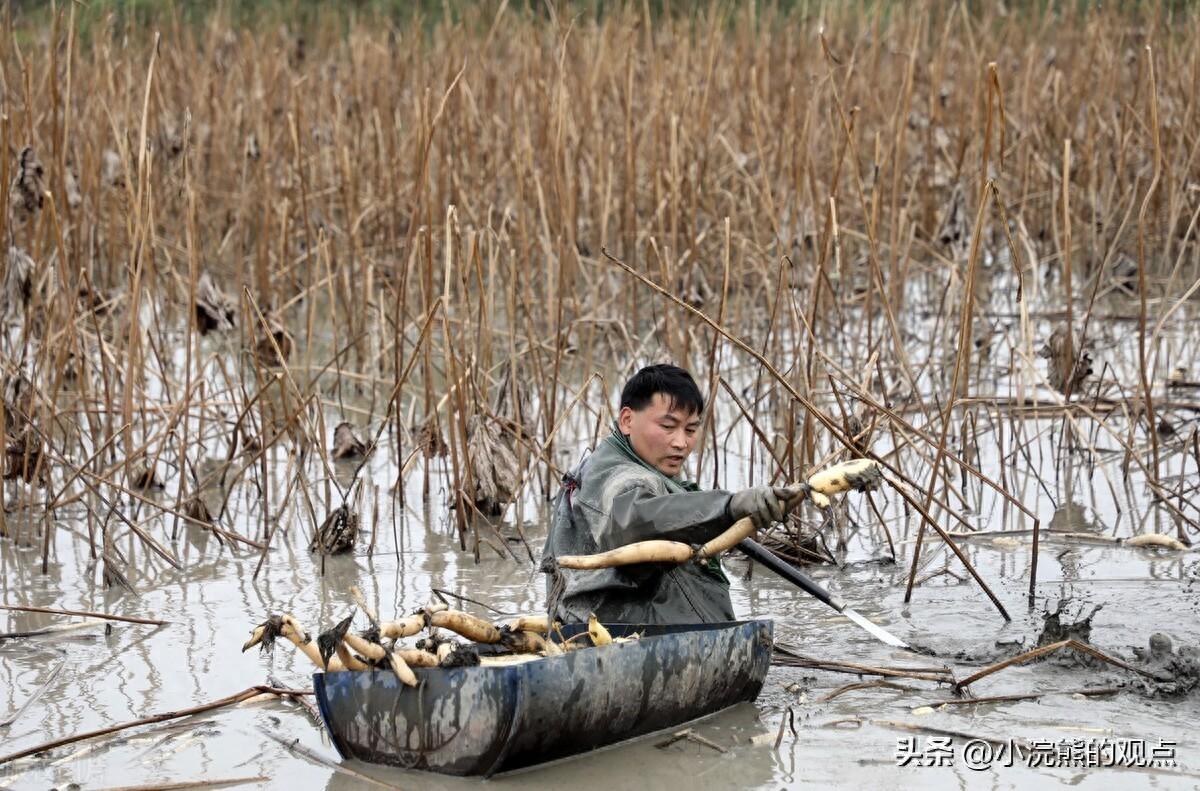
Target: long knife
757,552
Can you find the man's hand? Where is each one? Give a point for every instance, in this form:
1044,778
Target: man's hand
765,504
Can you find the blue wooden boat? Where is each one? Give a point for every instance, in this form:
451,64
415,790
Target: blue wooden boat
487,719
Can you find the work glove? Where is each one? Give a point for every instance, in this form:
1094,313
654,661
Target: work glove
765,504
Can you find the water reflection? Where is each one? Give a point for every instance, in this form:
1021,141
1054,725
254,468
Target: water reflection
1072,517
749,761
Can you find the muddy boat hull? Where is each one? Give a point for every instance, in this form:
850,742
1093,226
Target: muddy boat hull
483,720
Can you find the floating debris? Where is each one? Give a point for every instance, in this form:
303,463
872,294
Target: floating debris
93,299
337,534
853,427
28,186
346,444
430,440
274,348
1179,378
1124,273
1178,670
23,457
215,310
18,402
112,169
195,508
71,184
1056,627
1070,361
512,404
494,467
18,284
953,233
113,575
144,477
1156,540
173,136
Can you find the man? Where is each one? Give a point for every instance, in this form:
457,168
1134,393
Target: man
629,489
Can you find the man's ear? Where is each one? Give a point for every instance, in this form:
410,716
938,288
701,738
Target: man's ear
625,420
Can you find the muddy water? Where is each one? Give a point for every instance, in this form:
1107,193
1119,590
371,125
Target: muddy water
99,675
102,675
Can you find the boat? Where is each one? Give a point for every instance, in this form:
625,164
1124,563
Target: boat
487,719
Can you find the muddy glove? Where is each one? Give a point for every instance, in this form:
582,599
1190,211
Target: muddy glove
764,504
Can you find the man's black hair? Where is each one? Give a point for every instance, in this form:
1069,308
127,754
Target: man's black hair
672,381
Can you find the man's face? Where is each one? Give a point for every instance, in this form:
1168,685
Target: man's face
662,436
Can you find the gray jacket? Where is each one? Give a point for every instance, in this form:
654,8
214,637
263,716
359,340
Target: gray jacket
611,499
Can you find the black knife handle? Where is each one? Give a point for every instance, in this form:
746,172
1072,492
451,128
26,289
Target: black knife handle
760,554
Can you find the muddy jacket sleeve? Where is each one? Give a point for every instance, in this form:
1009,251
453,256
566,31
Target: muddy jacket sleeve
640,515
